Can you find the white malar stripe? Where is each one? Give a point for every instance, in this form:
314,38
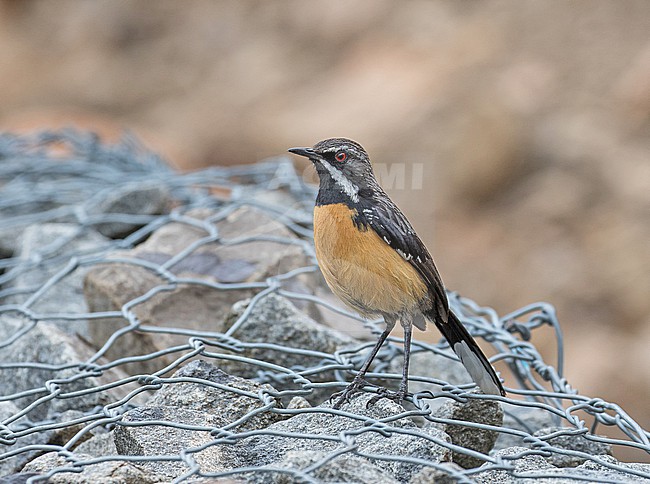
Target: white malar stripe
475,368
349,188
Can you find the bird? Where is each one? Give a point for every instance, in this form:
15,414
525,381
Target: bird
373,260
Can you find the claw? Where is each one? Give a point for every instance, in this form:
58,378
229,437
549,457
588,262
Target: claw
397,397
345,395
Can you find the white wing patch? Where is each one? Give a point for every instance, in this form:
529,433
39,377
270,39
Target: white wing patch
404,255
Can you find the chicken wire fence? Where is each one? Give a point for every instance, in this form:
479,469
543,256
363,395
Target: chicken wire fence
63,177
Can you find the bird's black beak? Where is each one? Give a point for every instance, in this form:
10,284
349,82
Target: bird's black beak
307,152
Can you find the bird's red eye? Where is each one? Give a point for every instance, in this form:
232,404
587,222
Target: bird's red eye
341,156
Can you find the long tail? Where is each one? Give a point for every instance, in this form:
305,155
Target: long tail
473,359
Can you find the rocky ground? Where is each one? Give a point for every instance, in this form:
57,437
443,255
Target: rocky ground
528,122
160,327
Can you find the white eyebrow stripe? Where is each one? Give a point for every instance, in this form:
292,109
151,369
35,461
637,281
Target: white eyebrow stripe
336,148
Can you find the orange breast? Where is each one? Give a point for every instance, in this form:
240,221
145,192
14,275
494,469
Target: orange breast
361,268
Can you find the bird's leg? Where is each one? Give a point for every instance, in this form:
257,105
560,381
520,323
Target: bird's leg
359,380
404,384
401,394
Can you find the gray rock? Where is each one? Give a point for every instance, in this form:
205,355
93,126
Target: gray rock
9,241
524,419
487,412
344,468
537,468
109,472
199,307
241,257
599,471
16,462
140,198
577,442
216,401
44,250
430,475
45,342
15,220
275,320
109,287
431,365
523,464
413,443
196,404
169,440
98,445
54,436
407,446
62,435
298,402
21,478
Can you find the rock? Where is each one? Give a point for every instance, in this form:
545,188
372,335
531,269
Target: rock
535,468
109,287
216,401
604,473
487,412
58,436
21,478
241,246
109,472
197,306
407,446
524,419
139,198
61,436
271,449
199,405
274,320
577,442
9,241
98,445
521,463
344,468
431,365
429,475
15,217
166,440
45,250
15,463
47,344
298,402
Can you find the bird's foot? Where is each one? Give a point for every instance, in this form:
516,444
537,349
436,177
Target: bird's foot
345,395
397,397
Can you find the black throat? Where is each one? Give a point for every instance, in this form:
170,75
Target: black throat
330,195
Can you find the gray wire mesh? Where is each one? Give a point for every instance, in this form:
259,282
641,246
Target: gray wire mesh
64,177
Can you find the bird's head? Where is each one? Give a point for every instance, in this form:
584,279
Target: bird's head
342,165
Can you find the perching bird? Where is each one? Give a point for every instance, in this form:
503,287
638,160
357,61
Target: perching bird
374,261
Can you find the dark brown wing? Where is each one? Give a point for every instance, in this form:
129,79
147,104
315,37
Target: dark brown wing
388,221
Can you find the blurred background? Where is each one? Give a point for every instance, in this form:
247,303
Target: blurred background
515,134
